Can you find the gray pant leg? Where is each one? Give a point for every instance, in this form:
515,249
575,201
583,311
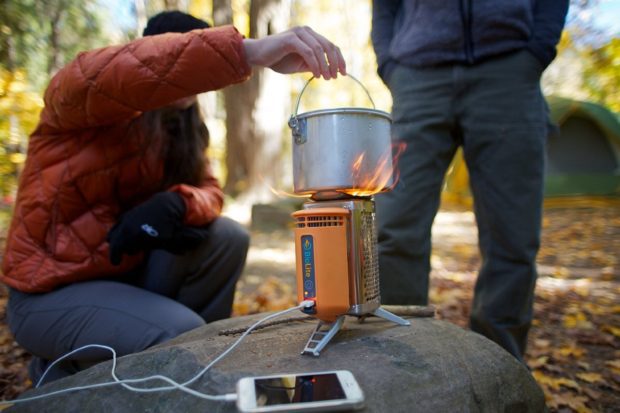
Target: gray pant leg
422,118
504,124
204,278
162,304
119,315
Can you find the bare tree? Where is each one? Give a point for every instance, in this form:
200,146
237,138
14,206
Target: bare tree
141,16
56,12
256,111
175,5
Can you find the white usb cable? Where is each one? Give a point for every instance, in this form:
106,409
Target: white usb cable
173,385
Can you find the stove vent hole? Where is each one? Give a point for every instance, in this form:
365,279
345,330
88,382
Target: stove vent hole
320,221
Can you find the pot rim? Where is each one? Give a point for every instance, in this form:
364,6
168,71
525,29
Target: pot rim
347,110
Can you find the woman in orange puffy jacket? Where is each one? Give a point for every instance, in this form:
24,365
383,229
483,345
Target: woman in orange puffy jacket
116,237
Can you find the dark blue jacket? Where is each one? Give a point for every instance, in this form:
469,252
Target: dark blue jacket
424,33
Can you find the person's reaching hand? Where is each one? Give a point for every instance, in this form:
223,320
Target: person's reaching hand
299,49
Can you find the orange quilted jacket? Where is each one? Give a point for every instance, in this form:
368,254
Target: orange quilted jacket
86,164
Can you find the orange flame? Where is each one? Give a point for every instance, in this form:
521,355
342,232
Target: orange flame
280,193
370,183
364,184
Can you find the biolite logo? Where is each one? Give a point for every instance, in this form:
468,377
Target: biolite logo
307,265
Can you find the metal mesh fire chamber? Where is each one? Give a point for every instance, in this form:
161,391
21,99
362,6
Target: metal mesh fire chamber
341,157
337,265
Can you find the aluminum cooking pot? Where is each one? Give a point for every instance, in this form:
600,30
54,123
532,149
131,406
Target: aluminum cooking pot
341,151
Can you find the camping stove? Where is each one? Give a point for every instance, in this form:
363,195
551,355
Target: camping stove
341,157
337,265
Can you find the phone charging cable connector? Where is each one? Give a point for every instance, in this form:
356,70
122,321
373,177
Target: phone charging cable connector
171,384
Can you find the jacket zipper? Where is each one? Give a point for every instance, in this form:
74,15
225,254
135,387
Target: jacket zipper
466,16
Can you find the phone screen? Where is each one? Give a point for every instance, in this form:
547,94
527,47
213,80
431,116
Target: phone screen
298,389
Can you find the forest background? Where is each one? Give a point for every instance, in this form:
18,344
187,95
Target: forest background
574,350
249,149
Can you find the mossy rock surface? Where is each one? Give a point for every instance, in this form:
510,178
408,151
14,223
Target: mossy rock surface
430,366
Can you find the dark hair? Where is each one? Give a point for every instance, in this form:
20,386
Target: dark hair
182,139
181,134
173,21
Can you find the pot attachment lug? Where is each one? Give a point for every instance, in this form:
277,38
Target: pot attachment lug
299,129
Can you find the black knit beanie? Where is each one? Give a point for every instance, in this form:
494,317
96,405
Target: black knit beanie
173,21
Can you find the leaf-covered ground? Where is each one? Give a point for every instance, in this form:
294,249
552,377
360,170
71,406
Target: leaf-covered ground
574,346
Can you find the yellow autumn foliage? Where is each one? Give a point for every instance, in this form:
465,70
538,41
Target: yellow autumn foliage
590,377
17,99
19,113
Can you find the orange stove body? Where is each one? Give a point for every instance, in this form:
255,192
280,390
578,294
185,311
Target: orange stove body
322,260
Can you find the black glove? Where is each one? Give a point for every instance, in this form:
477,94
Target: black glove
150,225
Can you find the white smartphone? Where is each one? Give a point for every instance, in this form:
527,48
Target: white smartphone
300,392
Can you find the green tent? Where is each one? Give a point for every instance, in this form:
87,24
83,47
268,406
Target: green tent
583,159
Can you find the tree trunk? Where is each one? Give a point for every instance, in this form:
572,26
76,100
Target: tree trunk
272,107
222,12
256,111
55,55
141,16
176,5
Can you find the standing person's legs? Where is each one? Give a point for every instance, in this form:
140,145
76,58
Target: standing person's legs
422,115
127,318
504,125
204,278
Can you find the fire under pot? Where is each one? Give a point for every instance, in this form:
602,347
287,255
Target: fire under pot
341,157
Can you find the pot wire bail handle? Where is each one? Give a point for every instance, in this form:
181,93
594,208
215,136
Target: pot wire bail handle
299,132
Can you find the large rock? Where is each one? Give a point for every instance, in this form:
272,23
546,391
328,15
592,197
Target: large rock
430,366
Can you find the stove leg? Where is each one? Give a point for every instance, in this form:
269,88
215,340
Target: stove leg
320,338
380,312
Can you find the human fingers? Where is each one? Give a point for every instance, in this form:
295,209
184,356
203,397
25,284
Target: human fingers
332,52
307,37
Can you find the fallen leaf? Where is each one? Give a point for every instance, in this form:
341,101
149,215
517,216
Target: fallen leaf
590,377
592,394
593,337
561,272
538,362
554,382
583,365
614,365
241,308
571,351
608,273
553,368
542,343
611,329
578,320
575,402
